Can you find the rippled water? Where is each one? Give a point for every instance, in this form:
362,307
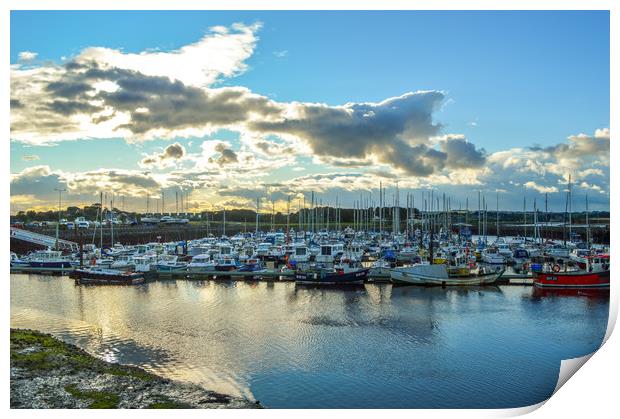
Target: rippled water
377,346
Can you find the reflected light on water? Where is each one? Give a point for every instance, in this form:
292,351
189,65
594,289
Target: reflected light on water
291,346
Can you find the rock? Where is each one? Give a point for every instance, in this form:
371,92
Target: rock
48,373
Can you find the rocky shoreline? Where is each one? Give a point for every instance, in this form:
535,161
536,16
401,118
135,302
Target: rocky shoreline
48,373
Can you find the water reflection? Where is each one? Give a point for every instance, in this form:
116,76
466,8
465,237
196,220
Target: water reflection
600,295
289,346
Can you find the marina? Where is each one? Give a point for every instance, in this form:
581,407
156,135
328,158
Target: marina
323,245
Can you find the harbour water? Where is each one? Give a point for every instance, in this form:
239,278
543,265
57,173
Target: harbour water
377,346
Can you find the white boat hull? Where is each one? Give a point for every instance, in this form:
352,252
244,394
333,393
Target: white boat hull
403,276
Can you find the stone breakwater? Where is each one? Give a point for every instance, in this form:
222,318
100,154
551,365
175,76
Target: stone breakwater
48,373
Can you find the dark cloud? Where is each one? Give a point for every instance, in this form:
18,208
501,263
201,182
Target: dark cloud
395,131
37,180
68,89
141,180
461,154
227,155
71,107
174,151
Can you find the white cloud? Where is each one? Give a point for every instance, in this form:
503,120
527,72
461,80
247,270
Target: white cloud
220,53
540,188
27,55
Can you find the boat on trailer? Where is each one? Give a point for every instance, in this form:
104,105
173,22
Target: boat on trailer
103,276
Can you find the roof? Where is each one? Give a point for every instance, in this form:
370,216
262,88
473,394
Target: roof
598,256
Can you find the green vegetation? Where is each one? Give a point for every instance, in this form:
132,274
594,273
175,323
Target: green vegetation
100,399
48,373
164,402
50,353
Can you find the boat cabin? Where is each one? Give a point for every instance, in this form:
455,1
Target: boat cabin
329,252
597,263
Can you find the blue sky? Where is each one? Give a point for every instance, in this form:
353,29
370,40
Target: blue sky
509,79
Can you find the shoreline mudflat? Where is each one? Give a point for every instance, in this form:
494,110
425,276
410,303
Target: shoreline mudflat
48,373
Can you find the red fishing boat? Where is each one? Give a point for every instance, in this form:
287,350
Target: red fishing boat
595,275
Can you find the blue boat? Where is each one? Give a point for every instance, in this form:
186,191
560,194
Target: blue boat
251,266
48,259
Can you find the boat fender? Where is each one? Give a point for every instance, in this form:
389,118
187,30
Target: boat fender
556,268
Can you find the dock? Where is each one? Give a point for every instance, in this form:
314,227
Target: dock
266,276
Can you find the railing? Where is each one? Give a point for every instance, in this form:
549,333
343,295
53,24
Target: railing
42,239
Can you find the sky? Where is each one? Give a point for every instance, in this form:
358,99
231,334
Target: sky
228,107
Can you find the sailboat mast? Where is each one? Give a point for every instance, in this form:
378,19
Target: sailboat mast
587,223
497,217
479,215
101,218
381,209
112,224
288,216
224,222
257,208
570,209
524,220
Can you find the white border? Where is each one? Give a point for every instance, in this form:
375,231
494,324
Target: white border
592,394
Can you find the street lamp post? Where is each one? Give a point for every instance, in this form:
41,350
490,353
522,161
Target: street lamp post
60,191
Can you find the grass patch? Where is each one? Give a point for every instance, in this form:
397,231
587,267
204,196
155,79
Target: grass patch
35,350
100,399
33,360
164,402
129,372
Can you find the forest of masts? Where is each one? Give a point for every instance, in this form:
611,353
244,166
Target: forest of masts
434,212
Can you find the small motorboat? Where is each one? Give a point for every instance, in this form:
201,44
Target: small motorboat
252,265
104,276
225,265
425,274
201,263
333,276
170,263
16,262
380,268
492,255
48,259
